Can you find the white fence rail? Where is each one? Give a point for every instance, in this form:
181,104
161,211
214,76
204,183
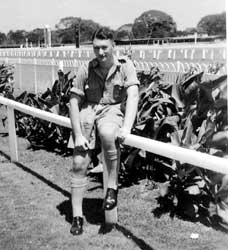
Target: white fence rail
199,159
184,155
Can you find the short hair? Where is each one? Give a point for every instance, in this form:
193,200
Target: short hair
103,34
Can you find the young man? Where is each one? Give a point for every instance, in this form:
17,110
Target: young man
104,99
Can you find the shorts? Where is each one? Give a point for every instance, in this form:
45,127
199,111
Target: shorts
92,116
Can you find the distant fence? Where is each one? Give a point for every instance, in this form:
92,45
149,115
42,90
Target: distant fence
190,52
37,74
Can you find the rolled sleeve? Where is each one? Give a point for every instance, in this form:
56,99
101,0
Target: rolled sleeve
78,83
130,74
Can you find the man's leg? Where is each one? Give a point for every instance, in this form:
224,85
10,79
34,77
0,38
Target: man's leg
107,133
108,124
81,161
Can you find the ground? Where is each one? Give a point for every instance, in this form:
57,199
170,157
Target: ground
35,211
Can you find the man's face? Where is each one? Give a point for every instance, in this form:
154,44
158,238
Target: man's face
103,49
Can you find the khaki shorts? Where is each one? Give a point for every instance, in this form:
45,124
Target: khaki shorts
92,116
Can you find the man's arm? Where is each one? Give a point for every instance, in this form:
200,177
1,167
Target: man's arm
77,92
131,85
131,110
80,141
74,114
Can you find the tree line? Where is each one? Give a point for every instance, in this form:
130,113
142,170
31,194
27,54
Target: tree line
150,24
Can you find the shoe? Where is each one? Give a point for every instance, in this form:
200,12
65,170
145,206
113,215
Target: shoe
110,200
77,226
97,169
106,228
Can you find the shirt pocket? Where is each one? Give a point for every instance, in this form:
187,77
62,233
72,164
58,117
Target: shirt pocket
118,90
93,92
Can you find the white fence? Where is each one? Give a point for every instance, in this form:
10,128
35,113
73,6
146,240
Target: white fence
36,68
184,155
38,74
204,51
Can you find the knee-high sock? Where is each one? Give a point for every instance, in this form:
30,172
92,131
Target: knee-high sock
112,163
78,188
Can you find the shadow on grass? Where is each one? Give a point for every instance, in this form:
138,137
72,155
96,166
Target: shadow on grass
38,176
141,243
92,208
3,134
203,218
94,214
63,151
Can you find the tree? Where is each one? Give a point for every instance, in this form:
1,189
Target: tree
87,28
124,32
190,31
213,24
67,22
55,39
36,36
70,27
154,23
2,38
16,37
65,29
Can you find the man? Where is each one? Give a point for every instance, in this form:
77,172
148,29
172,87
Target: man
97,104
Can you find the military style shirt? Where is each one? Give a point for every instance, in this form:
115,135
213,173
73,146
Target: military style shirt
91,84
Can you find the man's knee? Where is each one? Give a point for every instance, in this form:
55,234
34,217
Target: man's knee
108,134
80,165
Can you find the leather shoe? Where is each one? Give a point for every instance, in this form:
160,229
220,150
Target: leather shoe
77,226
110,200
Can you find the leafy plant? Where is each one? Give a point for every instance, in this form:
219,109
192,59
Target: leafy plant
42,133
6,81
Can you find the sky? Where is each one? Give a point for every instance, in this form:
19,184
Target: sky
31,14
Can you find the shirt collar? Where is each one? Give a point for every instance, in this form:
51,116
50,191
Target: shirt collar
95,63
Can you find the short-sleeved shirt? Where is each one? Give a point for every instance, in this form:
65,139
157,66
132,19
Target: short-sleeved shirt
90,83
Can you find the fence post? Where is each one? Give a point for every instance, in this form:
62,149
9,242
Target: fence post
192,54
52,71
12,134
174,54
185,54
158,54
61,65
111,216
35,75
154,54
20,73
169,53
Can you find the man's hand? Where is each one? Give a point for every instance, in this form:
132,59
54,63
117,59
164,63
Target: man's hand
81,143
122,133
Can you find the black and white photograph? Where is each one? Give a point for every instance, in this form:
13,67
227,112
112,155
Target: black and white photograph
113,125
